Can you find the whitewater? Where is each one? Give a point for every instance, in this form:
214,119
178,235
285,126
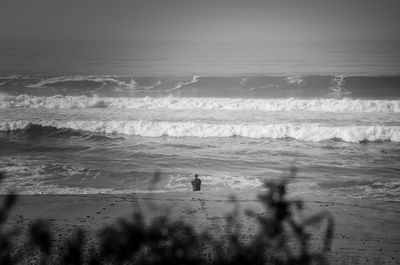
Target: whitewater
108,134
236,117
302,132
52,144
291,104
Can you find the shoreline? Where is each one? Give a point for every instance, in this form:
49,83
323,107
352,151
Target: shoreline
366,231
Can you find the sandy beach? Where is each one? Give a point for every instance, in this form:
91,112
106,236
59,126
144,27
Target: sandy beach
111,108
366,232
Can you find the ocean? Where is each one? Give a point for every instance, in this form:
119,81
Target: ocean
88,118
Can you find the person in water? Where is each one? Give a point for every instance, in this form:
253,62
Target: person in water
196,183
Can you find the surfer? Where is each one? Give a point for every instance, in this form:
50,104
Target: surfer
196,183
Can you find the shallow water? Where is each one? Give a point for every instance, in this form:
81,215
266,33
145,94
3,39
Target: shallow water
118,150
108,126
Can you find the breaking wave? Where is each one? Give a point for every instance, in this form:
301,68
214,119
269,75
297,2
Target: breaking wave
337,86
298,80
194,80
325,105
64,79
114,82
146,128
257,86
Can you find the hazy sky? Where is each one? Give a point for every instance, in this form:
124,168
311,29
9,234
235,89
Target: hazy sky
201,20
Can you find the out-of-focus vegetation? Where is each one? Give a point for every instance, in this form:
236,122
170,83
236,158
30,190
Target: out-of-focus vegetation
282,238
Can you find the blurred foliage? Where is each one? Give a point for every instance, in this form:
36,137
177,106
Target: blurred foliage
282,238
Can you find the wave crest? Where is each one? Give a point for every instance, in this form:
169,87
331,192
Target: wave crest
146,128
324,105
103,80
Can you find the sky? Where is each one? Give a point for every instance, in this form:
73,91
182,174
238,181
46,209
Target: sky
201,20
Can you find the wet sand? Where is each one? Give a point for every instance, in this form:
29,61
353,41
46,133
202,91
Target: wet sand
366,232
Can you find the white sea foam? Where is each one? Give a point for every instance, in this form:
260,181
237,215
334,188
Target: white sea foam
11,77
324,105
380,190
336,86
176,184
8,79
133,85
294,80
37,177
194,80
152,86
243,81
215,182
48,82
61,79
304,132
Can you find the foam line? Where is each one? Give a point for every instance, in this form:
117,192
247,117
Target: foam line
146,128
324,105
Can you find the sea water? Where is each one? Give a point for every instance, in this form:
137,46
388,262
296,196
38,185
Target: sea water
103,118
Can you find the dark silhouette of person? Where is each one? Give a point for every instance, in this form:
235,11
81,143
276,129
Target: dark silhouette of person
196,183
